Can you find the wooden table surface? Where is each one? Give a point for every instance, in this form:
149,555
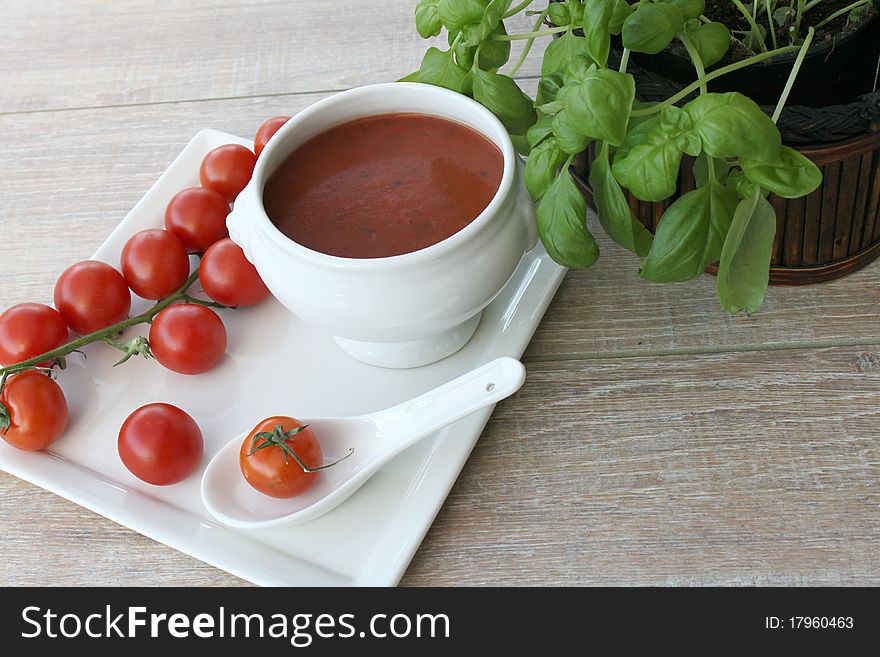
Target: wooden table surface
656,441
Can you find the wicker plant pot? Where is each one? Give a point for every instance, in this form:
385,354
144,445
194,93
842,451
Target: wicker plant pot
836,229
830,233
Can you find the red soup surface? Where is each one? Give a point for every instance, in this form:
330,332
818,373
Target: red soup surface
383,185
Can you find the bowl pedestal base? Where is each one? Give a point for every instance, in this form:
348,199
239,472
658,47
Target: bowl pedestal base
415,353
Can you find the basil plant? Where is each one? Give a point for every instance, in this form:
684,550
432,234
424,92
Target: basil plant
583,103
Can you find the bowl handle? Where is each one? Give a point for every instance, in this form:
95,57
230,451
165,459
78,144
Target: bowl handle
239,231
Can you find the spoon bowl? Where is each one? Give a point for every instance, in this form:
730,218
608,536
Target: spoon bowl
372,439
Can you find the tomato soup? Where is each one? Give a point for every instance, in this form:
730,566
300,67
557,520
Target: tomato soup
383,185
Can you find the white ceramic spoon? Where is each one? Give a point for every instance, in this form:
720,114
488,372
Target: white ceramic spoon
376,438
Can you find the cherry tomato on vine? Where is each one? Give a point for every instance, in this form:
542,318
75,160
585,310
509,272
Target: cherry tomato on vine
160,444
271,468
28,330
91,295
154,263
197,217
227,169
188,338
266,131
36,411
228,278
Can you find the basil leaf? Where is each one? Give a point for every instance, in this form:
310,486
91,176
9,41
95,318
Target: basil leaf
464,55
560,52
542,129
428,23
744,267
651,27
548,88
576,9
489,21
577,70
649,171
677,124
613,210
599,106
494,53
520,144
639,131
439,68
648,163
732,125
796,176
412,77
557,105
542,166
455,14
619,13
721,170
597,30
500,94
688,8
551,108
570,141
743,186
558,14
562,225
783,15
712,41
690,234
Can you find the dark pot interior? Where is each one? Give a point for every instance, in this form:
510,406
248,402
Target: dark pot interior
835,72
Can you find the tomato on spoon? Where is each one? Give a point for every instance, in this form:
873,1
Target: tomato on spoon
273,456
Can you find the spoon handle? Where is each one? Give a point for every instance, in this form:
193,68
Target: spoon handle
412,420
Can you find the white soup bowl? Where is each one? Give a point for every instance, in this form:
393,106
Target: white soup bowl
400,311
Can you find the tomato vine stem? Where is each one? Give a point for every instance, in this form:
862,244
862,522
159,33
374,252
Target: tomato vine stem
278,437
107,334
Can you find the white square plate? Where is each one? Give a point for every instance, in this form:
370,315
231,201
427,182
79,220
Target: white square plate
275,364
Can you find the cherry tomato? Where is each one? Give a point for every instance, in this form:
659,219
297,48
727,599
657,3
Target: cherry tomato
91,295
267,469
197,217
28,330
228,278
160,444
37,411
265,132
228,169
154,263
188,338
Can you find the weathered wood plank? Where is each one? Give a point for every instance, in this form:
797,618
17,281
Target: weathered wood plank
60,54
48,541
731,469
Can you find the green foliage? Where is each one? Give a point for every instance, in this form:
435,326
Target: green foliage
542,166
613,210
744,267
651,27
562,226
501,94
428,21
712,41
597,29
599,104
794,176
691,234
